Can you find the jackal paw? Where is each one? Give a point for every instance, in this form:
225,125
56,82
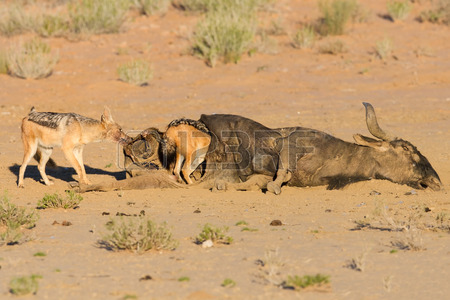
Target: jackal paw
20,186
274,188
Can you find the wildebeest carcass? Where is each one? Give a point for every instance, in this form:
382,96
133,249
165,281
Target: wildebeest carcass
315,158
245,154
308,157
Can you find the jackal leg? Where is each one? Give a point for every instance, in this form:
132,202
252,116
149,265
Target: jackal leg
69,152
78,152
45,155
192,162
29,148
177,169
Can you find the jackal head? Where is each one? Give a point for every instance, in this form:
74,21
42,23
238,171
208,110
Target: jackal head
113,131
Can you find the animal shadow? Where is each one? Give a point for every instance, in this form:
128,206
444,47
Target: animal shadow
63,173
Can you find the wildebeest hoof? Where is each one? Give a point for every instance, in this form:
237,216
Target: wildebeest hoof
220,185
274,188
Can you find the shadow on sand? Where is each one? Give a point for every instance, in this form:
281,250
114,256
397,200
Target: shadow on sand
63,173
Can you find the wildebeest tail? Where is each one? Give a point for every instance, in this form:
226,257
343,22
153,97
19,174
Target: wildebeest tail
51,163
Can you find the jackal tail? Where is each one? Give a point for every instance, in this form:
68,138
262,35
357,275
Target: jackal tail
51,163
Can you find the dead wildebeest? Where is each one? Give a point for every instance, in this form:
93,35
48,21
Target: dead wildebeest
246,155
307,157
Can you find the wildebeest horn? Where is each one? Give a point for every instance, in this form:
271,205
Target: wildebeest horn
372,124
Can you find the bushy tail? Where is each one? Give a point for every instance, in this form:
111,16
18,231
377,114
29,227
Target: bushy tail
51,163
168,151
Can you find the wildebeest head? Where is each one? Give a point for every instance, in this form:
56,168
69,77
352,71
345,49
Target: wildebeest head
400,160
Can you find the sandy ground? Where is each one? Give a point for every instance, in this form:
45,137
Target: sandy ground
411,94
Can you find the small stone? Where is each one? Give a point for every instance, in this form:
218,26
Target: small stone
146,277
412,192
207,244
66,223
276,223
197,211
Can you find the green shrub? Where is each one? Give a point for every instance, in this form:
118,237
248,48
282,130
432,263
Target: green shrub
333,47
226,32
24,285
304,38
137,72
335,15
440,14
150,7
383,48
3,62
32,59
97,16
51,26
12,216
297,282
14,20
215,234
137,234
71,200
398,10
228,283
194,5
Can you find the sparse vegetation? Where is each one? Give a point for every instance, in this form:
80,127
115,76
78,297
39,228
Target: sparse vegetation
440,14
215,234
398,10
51,26
249,229
97,16
304,38
137,72
333,47
24,285
194,5
40,254
3,62
335,15
242,222
150,7
137,234
226,32
32,59
358,263
184,278
14,20
305,281
228,283
70,200
12,220
13,216
383,48
270,267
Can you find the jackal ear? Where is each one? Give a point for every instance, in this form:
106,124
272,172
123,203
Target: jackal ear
106,116
369,142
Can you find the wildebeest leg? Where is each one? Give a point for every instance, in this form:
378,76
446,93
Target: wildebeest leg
254,183
283,175
157,179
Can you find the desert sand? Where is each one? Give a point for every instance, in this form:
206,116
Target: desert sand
410,91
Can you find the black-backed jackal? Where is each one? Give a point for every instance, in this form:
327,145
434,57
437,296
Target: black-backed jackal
188,140
41,131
